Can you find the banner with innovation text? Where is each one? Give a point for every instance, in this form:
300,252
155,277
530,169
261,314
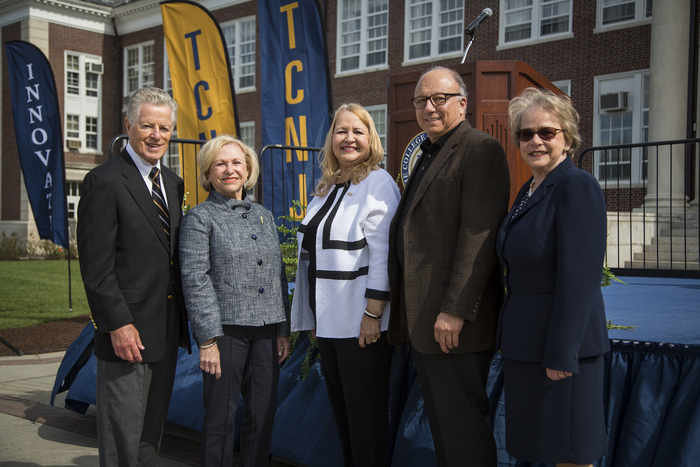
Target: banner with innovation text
39,132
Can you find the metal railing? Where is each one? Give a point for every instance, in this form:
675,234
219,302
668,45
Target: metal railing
294,163
273,157
652,228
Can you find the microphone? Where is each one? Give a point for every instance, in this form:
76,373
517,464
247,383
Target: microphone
471,29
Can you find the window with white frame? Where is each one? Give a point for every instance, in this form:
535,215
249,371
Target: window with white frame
533,20
433,29
73,198
82,101
613,12
240,41
363,34
171,158
564,86
378,114
621,117
248,133
139,68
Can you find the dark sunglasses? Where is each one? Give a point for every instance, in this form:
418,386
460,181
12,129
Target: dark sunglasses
545,134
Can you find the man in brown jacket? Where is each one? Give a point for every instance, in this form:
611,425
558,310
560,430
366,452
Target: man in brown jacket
446,283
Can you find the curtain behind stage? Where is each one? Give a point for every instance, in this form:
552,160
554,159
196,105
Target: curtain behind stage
653,405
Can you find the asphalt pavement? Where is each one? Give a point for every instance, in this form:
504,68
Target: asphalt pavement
35,434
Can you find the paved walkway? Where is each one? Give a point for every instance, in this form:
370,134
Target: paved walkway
36,434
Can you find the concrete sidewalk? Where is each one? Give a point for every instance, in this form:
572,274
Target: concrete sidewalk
36,434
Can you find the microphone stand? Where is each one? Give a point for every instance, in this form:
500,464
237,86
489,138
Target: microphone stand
469,44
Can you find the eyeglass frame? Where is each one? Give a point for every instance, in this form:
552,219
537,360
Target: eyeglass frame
537,132
430,98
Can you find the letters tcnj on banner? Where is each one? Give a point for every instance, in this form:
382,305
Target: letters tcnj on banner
38,131
296,99
202,85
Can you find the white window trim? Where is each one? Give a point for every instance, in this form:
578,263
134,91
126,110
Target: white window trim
249,124
363,43
565,82
85,100
384,107
502,45
235,78
639,19
140,45
433,57
636,172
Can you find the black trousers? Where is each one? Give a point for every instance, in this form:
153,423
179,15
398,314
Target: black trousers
454,392
357,381
248,356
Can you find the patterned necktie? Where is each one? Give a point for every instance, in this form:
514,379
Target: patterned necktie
159,201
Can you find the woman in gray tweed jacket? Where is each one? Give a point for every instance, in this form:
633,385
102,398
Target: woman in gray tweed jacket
236,297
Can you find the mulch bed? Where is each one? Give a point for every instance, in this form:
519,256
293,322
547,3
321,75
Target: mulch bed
42,338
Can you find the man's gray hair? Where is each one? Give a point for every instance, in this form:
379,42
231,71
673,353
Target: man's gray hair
150,95
455,76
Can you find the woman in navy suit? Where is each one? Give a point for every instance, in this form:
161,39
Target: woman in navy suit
552,330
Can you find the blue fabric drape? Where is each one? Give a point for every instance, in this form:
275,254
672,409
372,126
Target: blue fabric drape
652,405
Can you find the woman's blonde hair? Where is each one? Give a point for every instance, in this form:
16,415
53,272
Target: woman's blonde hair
558,106
207,156
329,163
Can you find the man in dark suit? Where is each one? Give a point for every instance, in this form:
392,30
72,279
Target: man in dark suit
446,284
129,215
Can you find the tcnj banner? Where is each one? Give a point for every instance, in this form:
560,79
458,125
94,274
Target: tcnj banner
38,131
202,84
296,99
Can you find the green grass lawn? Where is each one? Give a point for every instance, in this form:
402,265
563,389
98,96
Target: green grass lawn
35,292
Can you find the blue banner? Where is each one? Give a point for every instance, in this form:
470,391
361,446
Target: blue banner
296,100
39,138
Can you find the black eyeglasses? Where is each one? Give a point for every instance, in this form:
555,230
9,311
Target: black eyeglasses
546,134
436,99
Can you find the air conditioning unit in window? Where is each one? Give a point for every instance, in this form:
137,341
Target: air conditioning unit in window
94,68
613,102
73,144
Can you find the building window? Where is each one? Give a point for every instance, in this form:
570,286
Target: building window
73,197
622,117
530,20
434,29
82,101
73,74
564,86
240,40
611,12
139,67
378,114
72,127
248,133
90,133
363,32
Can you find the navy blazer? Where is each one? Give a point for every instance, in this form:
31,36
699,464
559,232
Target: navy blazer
553,252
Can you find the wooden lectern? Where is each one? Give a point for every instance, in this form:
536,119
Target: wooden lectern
490,87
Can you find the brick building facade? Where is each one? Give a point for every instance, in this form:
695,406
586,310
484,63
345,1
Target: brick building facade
583,46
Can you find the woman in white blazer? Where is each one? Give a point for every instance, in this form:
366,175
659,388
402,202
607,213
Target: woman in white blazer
342,285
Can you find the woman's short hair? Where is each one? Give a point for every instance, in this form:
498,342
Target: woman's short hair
330,168
150,95
557,106
207,156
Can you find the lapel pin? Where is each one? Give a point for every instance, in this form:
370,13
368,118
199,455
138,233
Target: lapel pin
261,220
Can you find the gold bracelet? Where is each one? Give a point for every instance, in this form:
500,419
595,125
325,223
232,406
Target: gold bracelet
206,346
371,316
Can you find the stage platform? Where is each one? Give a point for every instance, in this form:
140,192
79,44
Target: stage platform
652,393
663,309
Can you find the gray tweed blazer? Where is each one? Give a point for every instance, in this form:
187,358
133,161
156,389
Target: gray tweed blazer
231,267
